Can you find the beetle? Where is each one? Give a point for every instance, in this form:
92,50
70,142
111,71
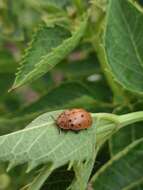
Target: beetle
75,119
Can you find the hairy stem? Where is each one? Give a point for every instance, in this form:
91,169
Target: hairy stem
114,123
131,118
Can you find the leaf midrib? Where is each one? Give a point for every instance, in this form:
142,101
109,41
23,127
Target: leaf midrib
27,151
28,129
117,157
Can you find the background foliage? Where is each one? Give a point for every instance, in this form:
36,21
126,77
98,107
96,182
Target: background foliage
67,54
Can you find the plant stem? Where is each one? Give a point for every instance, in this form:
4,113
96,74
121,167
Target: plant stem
123,120
97,32
106,129
115,88
131,118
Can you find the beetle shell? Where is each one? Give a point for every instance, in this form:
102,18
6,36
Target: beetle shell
74,119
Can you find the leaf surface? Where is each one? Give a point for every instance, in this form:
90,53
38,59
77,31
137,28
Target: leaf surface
123,44
123,170
119,140
49,46
40,142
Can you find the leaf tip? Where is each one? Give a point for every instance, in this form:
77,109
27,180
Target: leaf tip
10,166
12,88
71,163
31,166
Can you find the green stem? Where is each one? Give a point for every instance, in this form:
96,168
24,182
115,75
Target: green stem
116,90
114,123
131,118
123,120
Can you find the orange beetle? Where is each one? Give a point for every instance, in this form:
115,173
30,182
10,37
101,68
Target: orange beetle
74,119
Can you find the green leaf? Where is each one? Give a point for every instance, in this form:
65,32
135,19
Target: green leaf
119,140
123,44
40,142
8,125
123,170
49,46
97,88
87,66
67,95
83,173
138,186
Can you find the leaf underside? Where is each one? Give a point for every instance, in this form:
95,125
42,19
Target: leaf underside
40,142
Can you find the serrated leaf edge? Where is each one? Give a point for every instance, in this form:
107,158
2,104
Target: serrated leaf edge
77,34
